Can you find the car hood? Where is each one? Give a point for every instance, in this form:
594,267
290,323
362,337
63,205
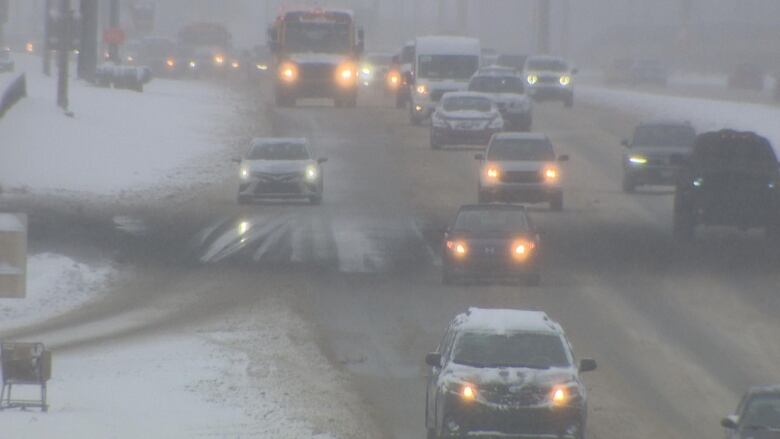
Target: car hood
317,58
277,166
505,98
467,115
507,376
660,150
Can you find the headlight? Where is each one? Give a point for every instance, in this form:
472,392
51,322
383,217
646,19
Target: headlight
235,64
532,79
219,60
262,67
29,47
244,173
492,173
421,89
468,392
346,75
366,71
458,248
521,249
193,64
170,62
637,160
393,79
130,59
551,174
560,395
312,173
698,182
565,80
288,72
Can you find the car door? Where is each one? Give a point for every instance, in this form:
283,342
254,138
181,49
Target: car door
432,388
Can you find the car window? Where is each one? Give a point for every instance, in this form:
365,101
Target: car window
735,149
664,135
518,349
521,150
467,103
762,411
554,65
447,66
497,84
279,151
482,221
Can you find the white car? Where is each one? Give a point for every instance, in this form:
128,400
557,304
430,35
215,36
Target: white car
550,78
506,88
280,168
442,65
465,118
521,167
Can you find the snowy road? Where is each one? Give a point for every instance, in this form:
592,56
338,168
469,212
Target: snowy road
679,332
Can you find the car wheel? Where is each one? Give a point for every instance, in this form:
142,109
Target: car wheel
629,185
556,203
533,280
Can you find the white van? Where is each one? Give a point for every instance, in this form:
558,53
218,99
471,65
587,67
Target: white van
442,64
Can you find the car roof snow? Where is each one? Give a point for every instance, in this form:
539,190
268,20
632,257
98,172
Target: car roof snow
520,136
502,321
259,141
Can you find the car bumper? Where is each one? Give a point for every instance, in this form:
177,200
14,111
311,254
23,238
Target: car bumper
517,120
657,175
316,89
738,210
481,420
550,92
453,136
258,189
483,267
522,192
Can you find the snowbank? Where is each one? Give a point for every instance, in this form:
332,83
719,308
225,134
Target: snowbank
55,284
119,140
704,114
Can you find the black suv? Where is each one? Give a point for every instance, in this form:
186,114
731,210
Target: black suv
653,154
730,180
507,373
757,415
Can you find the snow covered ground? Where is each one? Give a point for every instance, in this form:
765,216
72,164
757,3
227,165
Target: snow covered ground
169,137
704,114
55,284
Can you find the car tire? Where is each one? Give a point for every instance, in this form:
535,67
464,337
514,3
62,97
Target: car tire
629,184
556,203
533,280
684,227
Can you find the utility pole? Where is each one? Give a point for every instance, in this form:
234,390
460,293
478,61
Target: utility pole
46,53
87,63
543,39
113,18
65,39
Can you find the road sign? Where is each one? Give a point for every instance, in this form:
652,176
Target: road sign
114,35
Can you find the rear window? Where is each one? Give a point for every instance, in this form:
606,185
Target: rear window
553,65
734,148
519,349
497,84
279,151
491,220
467,103
664,135
540,150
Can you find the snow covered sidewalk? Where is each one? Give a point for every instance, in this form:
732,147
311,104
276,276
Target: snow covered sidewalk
704,114
169,137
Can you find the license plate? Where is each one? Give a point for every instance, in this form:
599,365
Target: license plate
466,126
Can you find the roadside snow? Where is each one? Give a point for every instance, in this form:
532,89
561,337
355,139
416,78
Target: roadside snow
704,114
165,138
55,284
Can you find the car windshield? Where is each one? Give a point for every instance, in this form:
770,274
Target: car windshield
321,37
279,151
491,221
496,84
553,65
467,103
521,150
664,135
447,66
514,349
762,411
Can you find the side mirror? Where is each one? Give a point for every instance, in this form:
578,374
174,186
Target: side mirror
729,422
236,160
479,156
433,359
625,143
322,160
587,365
563,158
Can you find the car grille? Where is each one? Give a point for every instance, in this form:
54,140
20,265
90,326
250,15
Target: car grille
317,72
521,177
288,177
437,94
549,79
523,396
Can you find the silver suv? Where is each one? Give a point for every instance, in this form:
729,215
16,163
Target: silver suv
507,373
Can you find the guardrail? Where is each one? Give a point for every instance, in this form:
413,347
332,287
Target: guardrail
13,94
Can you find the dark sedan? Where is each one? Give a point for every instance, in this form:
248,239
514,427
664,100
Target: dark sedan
491,241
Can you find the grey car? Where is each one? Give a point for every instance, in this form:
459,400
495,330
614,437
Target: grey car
655,152
757,415
280,168
506,88
505,373
521,167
